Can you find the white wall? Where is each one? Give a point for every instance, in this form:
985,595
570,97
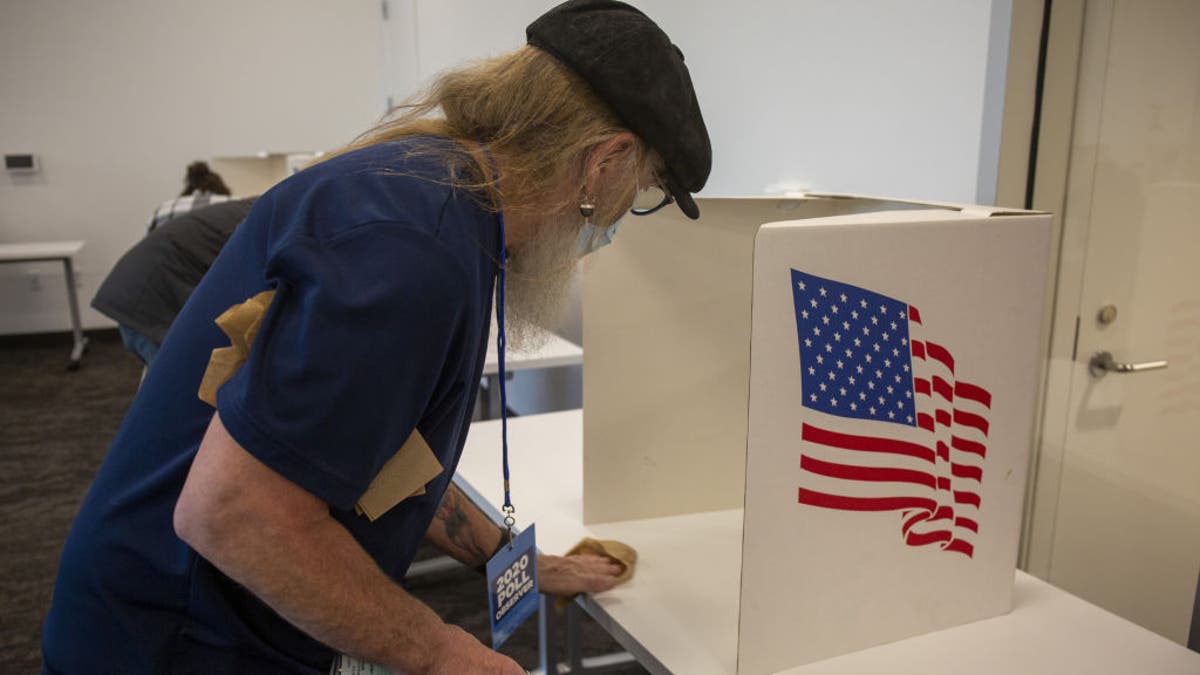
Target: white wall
117,97
995,90
867,96
871,96
874,97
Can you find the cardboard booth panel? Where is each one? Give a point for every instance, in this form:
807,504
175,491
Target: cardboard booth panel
667,356
894,368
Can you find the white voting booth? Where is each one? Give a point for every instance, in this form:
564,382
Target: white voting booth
859,374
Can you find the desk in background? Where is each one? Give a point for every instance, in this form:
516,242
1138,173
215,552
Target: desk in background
555,353
52,251
679,613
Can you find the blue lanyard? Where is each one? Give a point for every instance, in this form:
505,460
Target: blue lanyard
501,342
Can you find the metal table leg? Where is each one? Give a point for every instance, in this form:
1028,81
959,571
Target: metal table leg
489,403
547,651
491,398
576,663
574,652
80,345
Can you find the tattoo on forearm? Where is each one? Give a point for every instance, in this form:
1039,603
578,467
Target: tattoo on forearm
458,527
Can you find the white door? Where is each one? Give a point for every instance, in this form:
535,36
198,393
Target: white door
1120,520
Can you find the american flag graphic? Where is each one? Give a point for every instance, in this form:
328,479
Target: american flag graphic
865,356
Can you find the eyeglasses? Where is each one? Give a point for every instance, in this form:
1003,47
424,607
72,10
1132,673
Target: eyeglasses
650,199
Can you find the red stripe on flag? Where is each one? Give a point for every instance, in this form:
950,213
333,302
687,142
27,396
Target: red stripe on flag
943,483
966,471
942,451
921,385
943,417
960,546
972,447
961,497
971,420
867,473
943,513
865,443
940,353
925,421
827,501
943,388
918,349
973,393
921,515
926,538
967,524
913,314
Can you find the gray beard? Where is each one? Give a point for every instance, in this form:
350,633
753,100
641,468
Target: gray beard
536,291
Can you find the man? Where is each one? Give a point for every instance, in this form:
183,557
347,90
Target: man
360,291
148,286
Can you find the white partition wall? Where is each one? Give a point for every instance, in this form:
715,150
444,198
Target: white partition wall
667,324
892,389
859,373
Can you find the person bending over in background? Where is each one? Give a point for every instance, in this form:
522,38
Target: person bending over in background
201,187
148,286
221,534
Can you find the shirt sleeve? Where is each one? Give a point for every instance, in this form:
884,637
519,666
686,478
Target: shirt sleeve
347,358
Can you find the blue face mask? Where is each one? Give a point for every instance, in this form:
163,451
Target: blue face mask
592,238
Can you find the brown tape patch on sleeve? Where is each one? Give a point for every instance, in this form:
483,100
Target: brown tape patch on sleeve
240,324
403,476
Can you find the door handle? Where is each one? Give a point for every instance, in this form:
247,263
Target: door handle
1102,363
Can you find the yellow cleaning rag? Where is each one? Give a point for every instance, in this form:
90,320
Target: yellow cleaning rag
620,553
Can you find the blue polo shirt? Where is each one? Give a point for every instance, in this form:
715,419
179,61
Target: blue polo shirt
383,278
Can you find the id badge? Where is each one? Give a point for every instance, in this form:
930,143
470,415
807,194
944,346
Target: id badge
348,665
512,586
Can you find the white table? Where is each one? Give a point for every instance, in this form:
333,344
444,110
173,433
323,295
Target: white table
679,613
49,251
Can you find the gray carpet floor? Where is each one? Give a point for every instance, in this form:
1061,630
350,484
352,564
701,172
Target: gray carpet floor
55,427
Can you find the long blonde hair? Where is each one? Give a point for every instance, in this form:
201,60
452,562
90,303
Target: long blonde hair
525,106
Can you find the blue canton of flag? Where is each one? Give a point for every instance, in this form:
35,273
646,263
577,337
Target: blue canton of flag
855,356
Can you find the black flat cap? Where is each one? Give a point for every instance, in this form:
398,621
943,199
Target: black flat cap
632,66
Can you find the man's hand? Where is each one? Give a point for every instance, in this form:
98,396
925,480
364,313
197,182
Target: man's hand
462,531
458,652
559,575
